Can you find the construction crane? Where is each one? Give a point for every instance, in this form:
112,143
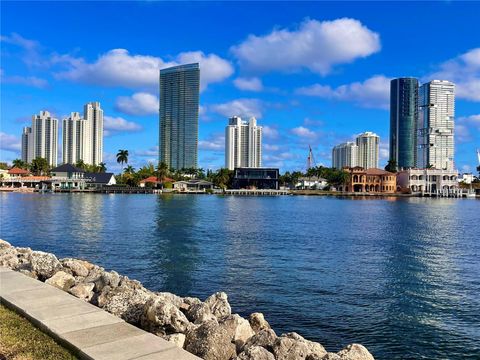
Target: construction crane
310,159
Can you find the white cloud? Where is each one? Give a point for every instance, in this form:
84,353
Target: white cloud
241,107
464,126
303,132
118,67
24,80
9,142
269,147
114,125
153,151
464,71
315,45
383,152
270,132
372,93
250,84
215,142
138,104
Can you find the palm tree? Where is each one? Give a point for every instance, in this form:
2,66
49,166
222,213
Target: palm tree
19,164
122,157
162,171
102,167
129,169
80,164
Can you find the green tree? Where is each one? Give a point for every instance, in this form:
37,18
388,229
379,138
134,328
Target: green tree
223,178
102,167
294,177
162,171
129,170
4,165
39,166
122,157
391,166
20,164
80,164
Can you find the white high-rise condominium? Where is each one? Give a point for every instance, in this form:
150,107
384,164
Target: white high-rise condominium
368,144
345,155
41,139
74,139
243,143
93,115
436,122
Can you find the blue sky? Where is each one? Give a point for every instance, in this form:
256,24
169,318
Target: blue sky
313,73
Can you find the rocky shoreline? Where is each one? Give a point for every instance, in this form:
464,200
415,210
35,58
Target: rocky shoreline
207,328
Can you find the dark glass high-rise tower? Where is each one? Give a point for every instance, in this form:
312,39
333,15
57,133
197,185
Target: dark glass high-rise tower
179,100
403,122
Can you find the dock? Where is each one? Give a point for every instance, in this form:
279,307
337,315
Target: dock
257,192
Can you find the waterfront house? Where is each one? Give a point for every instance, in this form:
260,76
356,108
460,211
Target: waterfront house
153,181
98,180
311,183
16,172
256,178
67,177
369,181
192,185
432,182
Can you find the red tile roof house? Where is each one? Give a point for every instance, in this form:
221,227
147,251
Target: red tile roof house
17,172
153,180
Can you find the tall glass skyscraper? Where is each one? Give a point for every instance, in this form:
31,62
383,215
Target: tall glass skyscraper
179,100
403,122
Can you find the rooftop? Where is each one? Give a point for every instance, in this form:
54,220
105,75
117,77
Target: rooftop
68,168
18,171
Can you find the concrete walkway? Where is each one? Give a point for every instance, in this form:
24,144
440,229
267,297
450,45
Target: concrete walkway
87,330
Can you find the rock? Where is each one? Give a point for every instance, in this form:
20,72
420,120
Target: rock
218,304
75,266
9,257
83,291
29,273
264,338
292,346
163,317
126,301
111,278
239,327
328,356
210,341
171,298
199,313
255,353
45,265
4,244
187,302
94,275
61,280
177,338
355,352
258,322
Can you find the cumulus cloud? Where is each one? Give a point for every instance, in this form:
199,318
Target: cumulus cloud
241,107
249,84
138,104
118,67
315,45
464,71
270,132
371,93
215,142
23,80
152,151
10,142
303,132
31,49
463,127
115,125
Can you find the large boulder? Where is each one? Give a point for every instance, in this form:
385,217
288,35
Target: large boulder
77,267
292,346
4,244
187,302
210,341
355,352
255,353
171,298
258,322
199,313
8,256
239,328
126,301
83,291
264,338
61,280
45,265
218,304
177,338
162,317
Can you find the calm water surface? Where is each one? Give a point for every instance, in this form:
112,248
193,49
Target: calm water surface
401,276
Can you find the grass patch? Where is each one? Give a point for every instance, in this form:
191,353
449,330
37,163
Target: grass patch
20,340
